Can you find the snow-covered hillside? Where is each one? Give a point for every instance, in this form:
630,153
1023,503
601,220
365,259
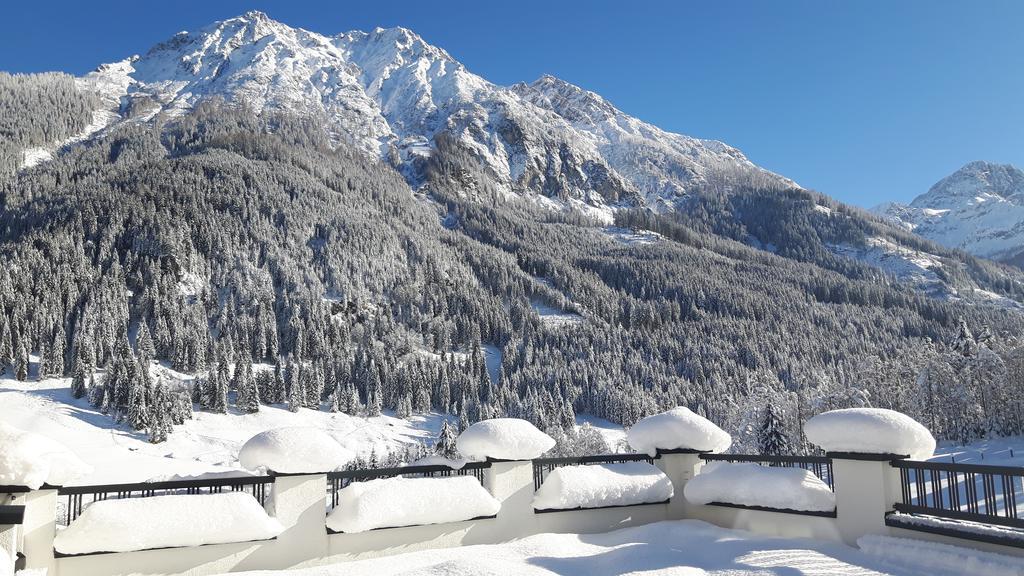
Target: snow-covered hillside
390,93
979,208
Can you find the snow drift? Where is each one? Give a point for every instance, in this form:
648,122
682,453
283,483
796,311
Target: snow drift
927,557
870,431
678,428
186,520
29,459
594,486
750,484
294,450
394,502
503,439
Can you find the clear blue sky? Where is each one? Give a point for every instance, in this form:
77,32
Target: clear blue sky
864,100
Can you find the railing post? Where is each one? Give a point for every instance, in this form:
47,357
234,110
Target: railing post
39,528
511,483
300,505
680,468
866,488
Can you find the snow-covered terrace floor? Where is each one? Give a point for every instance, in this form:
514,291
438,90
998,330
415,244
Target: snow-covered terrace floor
678,548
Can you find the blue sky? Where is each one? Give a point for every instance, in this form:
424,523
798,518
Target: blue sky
864,100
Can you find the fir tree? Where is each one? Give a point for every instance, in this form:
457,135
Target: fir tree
772,437
445,444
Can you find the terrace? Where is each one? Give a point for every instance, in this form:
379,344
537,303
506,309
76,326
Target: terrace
611,513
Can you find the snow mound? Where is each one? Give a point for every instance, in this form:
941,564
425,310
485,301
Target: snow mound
394,502
503,439
675,429
750,484
594,486
870,431
185,520
294,450
29,459
925,556
438,460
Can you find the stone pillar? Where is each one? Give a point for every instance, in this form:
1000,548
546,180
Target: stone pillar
867,487
39,529
511,483
680,467
300,505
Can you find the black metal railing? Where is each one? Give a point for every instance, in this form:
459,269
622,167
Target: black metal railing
820,466
543,466
340,479
967,492
80,497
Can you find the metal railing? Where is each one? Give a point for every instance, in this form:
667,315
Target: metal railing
966,492
543,466
80,497
340,479
820,466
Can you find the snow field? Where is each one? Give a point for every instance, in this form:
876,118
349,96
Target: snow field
28,459
503,439
750,484
871,431
936,558
593,486
166,521
675,429
394,502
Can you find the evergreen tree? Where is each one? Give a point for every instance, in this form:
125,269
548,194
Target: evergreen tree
445,443
247,393
772,437
78,387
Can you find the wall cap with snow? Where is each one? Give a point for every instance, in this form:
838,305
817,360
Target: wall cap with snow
503,439
677,429
888,434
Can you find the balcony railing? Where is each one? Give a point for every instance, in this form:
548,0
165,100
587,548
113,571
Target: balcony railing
340,479
79,497
820,466
973,493
543,466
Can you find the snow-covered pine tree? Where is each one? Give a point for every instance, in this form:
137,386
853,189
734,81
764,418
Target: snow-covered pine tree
772,437
247,395
78,387
964,342
21,368
296,396
445,444
160,423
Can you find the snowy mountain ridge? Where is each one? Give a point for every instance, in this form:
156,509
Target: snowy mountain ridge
391,94
979,209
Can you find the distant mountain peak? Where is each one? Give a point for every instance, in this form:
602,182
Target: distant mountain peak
979,208
390,93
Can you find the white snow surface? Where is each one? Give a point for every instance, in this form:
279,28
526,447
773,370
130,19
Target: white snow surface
208,443
871,431
294,450
189,520
593,486
750,484
392,502
6,563
29,459
675,548
503,439
677,428
933,557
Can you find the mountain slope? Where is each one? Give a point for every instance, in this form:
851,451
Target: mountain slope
979,209
391,94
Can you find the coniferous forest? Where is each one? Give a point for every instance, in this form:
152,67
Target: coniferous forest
220,240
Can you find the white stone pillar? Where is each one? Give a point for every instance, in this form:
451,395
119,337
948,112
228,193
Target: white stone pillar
300,505
39,529
680,468
866,487
511,483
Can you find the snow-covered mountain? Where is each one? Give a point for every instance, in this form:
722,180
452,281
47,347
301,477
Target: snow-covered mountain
391,94
979,208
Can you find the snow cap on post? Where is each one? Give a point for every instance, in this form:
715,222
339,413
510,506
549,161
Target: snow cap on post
29,459
294,450
870,431
503,439
679,428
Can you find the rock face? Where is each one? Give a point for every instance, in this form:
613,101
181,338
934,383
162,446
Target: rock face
392,95
979,209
